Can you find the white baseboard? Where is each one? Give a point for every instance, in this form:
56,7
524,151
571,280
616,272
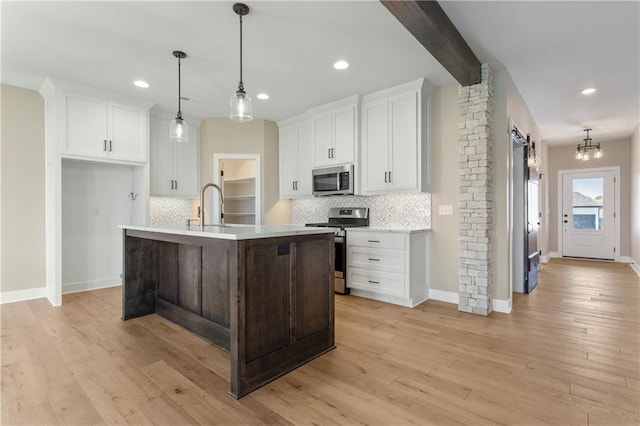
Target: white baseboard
22,295
553,254
503,306
444,296
90,285
545,258
635,267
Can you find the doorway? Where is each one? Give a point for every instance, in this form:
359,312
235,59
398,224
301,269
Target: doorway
588,226
239,177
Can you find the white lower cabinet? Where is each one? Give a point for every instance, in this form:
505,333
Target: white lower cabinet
390,266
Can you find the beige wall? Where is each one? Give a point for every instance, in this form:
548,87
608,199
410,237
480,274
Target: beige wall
444,188
223,136
635,196
616,153
508,104
22,189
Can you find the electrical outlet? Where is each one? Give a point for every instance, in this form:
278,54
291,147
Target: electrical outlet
445,210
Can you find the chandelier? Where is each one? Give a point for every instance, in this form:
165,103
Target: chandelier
582,151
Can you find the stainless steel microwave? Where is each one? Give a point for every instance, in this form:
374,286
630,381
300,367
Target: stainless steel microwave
335,180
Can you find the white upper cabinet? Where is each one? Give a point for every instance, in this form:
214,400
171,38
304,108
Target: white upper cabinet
174,165
103,129
295,157
335,132
92,124
395,139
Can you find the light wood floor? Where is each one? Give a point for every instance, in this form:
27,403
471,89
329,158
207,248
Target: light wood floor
567,355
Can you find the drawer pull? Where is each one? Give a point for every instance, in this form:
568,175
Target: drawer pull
374,282
374,260
373,241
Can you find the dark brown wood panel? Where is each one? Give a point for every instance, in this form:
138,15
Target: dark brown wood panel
216,278
431,26
313,288
209,330
140,275
267,298
189,277
168,271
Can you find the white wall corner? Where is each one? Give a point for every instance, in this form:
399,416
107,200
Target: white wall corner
22,295
635,266
545,258
553,255
443,296
502,306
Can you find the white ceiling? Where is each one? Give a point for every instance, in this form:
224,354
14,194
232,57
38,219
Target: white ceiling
552,50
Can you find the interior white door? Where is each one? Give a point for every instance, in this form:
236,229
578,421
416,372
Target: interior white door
588,214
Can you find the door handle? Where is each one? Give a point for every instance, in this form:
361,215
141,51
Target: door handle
328,152
333,153
374,282
110,146
104,146
374,260
390,180
176,184
171,183
385,177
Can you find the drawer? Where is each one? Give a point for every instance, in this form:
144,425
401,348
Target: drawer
377,282
376,259
383,240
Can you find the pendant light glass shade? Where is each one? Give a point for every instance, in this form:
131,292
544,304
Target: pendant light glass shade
240,104
179,129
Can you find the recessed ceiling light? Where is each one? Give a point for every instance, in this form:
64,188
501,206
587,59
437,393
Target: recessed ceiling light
341,65
262,96
141,83
588,91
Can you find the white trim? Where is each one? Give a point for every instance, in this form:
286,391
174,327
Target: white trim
554,255
545,258
635,267
90,285
444,296
22,295
407,303
502,306
616,188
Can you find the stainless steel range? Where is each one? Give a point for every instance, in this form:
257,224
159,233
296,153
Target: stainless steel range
342,218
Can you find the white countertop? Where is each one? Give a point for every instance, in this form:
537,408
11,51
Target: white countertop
236,232
390,230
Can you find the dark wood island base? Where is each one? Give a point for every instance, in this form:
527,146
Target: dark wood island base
268,301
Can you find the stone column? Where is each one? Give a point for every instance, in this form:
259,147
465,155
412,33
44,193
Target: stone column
475,163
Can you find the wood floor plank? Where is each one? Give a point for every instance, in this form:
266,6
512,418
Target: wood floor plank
568,354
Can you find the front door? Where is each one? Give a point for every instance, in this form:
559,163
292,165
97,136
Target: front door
588,216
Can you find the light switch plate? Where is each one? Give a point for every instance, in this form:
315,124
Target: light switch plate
445,210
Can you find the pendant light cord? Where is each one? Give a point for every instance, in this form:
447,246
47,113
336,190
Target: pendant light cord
241,85
179,92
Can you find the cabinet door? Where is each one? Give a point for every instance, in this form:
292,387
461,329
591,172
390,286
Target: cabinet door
303,133
186,165
127,133
404,141
85,125
344,135
375,140
322,140
161,159
288,157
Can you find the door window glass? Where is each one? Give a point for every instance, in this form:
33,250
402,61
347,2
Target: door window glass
588,204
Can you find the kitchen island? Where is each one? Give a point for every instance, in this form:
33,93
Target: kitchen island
264,293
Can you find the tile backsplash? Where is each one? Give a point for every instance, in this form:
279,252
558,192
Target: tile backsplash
385,211
169,212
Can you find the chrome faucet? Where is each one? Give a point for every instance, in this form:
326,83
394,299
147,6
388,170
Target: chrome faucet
202,191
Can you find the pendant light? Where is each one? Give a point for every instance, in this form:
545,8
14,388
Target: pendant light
240,101
179,129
